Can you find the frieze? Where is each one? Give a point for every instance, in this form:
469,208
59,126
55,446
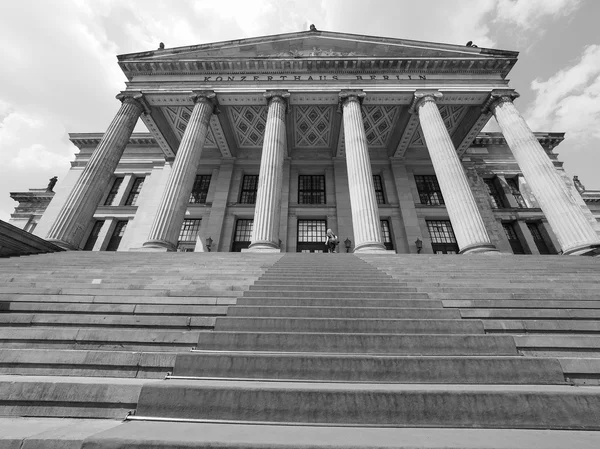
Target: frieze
327,78
308,53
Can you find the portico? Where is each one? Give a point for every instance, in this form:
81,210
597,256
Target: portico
348,116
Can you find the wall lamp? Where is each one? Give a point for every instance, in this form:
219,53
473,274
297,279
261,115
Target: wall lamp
209,243
419,244
347,244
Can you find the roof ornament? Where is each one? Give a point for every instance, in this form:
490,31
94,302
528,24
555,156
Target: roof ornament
471,44
161,46
578,185
313,27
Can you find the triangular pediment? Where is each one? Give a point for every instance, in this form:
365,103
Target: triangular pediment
316,44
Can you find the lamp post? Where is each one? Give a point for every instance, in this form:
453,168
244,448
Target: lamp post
419,244
347,244
209,243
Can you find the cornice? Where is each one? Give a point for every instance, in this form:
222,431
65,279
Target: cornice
81,140
549,140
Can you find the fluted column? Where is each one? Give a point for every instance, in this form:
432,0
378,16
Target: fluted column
571,227
83,200
470,231
265,231
365,213
175,198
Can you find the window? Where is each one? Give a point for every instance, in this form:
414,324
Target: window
311,236
386,234
135,192
311,189
378,189
249,188
442,237
187,235
513,183
494,193
429,190
513,238
113,192
200,189
243,234
117,235
93,238
538,238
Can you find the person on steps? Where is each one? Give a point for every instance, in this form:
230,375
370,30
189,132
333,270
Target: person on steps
331,241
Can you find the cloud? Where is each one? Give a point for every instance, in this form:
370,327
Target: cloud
531,14
570,99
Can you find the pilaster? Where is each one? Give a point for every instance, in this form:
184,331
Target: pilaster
222,183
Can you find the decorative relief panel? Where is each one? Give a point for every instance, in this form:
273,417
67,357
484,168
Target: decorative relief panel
178,118
249,124
312,126
379,122
451,114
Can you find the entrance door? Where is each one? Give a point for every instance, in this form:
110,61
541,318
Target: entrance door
243,234
311,236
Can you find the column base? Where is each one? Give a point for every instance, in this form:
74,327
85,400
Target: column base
63,245
479,248
158,246
262,247
371,248
584,250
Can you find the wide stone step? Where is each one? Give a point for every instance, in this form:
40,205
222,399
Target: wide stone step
401,405
532,314
364,288
403,302
364,368
57,362
178,435
68,397
10,300
342,312
398,344
543,326
341,325
111,308
326,293
525,304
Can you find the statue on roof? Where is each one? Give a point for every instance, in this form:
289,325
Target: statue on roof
578,185
51,184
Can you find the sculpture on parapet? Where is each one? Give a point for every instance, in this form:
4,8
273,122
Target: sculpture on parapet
51,184
578,185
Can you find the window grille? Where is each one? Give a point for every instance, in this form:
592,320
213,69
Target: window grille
200,189
495,196
93,238
311,236
429,190
443,240
378,189
538,238
311,189
188,234
249,188
513,183
117,235
243,234
386,234
135,192
113,192
513,238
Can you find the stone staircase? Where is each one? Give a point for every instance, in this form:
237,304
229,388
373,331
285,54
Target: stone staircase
316,351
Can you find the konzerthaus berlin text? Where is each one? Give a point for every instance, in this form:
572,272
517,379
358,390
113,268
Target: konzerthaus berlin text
262,144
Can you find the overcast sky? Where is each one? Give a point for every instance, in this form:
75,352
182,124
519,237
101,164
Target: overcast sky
59,72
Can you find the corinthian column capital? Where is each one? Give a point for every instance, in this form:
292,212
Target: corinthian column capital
347,96
278,96
422,96
207,97
499,96
135,98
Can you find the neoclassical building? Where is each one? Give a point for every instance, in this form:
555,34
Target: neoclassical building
262,144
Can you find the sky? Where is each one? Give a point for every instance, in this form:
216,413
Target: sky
59,71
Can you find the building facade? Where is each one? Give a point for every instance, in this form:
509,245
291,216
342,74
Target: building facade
262,144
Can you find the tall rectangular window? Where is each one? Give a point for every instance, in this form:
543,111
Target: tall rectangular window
513,183
93,238
311,236
200,189
117,235
113,192
494,193
386,234
513,238
243,234
538,238
311,189
443,240
249,188
134,193
187,235
429,190
378,189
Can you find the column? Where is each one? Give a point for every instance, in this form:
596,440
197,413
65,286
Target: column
470,231
175,198
365,213
573,231
75,215
265,233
